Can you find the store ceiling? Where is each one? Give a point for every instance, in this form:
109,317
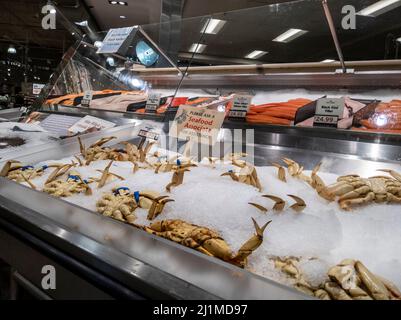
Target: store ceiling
253,29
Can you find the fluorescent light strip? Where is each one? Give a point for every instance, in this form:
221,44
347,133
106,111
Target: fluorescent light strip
290,35
255,54
197,47
327,61
379,8
213,26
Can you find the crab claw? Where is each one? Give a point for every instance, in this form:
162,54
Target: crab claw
317,182
28,182
376,288
258,206
393,173
7,167
281,172
81,147
58,172
104,176
251,245
102,141
299,205
279,203
231,174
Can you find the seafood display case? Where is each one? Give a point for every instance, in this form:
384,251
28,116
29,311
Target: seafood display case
278,208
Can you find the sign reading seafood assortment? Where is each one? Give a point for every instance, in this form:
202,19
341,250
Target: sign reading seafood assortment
193,123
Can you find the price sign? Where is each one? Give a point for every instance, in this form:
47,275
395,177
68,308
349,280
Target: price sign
329,112
240,107
153,102
197,124
147,134
115,39
89,122
87,98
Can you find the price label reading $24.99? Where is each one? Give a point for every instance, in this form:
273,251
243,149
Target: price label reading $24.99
329,112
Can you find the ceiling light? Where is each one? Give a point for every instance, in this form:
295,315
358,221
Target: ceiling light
328,60
197,47
255,54
11,50
53,11
123,17
399,39
213,26
121,3
290,35
82,23
379,8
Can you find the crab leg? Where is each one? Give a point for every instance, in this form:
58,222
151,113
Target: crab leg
299,205
346,204
251,245
336,292
279,203
393,173
28,182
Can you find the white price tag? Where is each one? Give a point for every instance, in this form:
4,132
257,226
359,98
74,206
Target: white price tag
115,39
148,134
240,106
153,102
329,112
87,98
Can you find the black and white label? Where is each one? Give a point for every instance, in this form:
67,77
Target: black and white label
240,106
153,102
87,98
147,134
329,112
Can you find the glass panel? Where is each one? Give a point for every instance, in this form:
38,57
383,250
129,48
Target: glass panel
113,78
370,34
279,33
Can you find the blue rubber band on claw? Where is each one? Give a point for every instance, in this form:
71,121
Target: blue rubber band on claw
73,177
45,167
26,168
136,196
178,162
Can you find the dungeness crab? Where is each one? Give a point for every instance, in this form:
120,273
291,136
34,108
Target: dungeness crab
65,188
353,190
349,280
206,240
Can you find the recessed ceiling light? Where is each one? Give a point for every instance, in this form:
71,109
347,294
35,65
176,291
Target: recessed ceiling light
379,8
123,17
197,47
399,39
290,35
121,3
213,26
328,60
11,50
255,54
